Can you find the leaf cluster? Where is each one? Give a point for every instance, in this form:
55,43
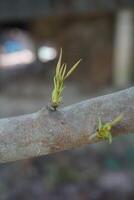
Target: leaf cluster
59,78
104,130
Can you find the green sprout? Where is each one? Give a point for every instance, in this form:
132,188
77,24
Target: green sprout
59,78
104,130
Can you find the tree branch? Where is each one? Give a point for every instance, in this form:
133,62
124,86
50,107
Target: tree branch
46,132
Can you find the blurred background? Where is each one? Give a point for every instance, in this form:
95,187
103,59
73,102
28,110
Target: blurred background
31,35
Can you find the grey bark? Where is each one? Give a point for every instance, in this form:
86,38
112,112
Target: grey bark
47,131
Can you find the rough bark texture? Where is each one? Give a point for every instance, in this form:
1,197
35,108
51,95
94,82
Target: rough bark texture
46,132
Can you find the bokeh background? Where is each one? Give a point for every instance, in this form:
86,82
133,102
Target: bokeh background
31,35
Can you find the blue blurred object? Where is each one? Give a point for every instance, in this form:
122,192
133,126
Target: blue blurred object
11,46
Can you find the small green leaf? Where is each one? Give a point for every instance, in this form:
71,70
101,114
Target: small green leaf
117,120
59,62
72,68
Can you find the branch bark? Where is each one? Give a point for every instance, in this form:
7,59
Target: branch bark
46,132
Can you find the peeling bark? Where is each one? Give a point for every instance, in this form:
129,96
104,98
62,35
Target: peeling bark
47,131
